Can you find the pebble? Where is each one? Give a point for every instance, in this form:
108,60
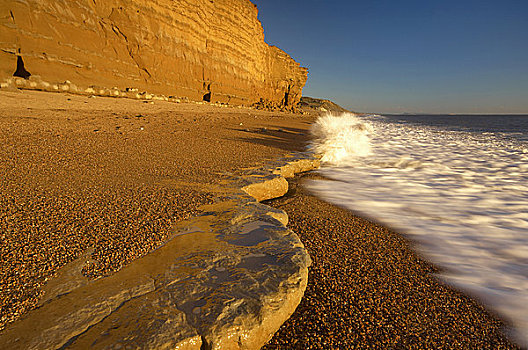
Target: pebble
367,289
120,196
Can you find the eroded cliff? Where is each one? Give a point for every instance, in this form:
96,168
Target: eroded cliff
210,50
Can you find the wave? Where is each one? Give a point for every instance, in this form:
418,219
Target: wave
341,137
460,195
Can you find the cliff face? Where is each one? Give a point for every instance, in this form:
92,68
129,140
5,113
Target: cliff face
210,50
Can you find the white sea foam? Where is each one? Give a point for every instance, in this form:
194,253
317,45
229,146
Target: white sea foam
338,138
463,196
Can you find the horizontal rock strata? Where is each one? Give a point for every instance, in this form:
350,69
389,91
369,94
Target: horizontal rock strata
203,50
227,280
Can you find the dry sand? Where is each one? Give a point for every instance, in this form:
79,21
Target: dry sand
112,175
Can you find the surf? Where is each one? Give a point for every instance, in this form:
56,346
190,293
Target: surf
460,194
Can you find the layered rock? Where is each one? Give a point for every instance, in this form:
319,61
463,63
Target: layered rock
226,280
211,50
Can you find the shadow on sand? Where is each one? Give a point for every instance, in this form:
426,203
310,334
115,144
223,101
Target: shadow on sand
289,139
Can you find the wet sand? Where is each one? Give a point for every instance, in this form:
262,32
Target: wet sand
110,177
367,289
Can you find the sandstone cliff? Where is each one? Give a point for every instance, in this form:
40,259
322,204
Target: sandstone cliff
211,50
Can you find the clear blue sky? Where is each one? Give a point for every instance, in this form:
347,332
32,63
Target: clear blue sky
443,56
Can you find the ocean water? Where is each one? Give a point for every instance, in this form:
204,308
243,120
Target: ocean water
456,185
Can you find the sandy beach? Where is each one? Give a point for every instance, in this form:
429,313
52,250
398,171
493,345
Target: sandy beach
157,167
108,178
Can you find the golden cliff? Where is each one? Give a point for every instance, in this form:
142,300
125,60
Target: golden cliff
203,50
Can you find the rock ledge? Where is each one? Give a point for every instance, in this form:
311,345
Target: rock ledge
226,280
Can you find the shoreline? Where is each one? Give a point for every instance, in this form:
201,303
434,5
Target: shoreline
184,184
368,288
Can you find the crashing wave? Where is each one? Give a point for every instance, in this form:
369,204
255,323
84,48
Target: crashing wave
340,138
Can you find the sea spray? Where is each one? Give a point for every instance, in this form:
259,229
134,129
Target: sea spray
460,194
339,138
